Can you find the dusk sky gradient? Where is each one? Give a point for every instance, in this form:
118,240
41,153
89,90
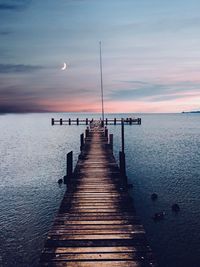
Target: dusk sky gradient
151,55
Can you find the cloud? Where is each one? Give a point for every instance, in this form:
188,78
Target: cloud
14,5
16,100
5,32
153,92
18,68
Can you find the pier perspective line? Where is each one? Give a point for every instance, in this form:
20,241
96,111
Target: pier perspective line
96,224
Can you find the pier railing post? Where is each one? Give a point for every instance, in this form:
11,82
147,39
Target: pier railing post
86,121
106,121
69,168
115,121
69,121
111,141
52,121
77,121
82,141
61,122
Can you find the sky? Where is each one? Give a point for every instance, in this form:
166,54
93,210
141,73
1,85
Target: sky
150,55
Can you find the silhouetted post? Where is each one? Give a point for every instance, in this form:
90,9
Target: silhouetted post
115,121
77,121
106,132
69,168
122,159
122,134
87,132
52,121
111,141
86,121
69,121
106,121
82,141
61,122
122,165
130,121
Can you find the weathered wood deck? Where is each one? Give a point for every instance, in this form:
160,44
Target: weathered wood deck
96,224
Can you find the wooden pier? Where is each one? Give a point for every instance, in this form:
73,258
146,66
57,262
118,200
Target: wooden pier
96,224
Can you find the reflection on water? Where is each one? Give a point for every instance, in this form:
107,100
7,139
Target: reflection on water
163,156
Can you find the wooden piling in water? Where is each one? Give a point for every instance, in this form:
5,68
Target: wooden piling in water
81,141
106,132
69,168
111,141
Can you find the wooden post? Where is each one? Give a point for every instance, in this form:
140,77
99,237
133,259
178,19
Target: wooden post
106,132
87,132
106,121
86,121
122,134
69,168
52,121
122,166
69,121
130,121
115,121
77,121
61,122
111,141
82,141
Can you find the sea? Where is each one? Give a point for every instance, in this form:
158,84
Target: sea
162,156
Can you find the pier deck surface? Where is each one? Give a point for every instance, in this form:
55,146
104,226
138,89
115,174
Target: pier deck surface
96,224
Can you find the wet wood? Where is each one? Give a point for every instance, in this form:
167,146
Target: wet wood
96,224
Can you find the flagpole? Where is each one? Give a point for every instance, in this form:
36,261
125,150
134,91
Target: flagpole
101,74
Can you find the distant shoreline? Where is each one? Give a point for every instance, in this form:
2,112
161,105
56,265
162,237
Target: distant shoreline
198,111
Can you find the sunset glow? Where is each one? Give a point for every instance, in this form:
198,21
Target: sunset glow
151,58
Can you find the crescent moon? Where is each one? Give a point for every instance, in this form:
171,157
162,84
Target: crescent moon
64,67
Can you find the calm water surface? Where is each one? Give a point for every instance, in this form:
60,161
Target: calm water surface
163,156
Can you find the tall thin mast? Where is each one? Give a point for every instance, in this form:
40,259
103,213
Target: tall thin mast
101,73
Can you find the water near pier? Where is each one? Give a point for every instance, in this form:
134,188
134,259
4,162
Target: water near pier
163,156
